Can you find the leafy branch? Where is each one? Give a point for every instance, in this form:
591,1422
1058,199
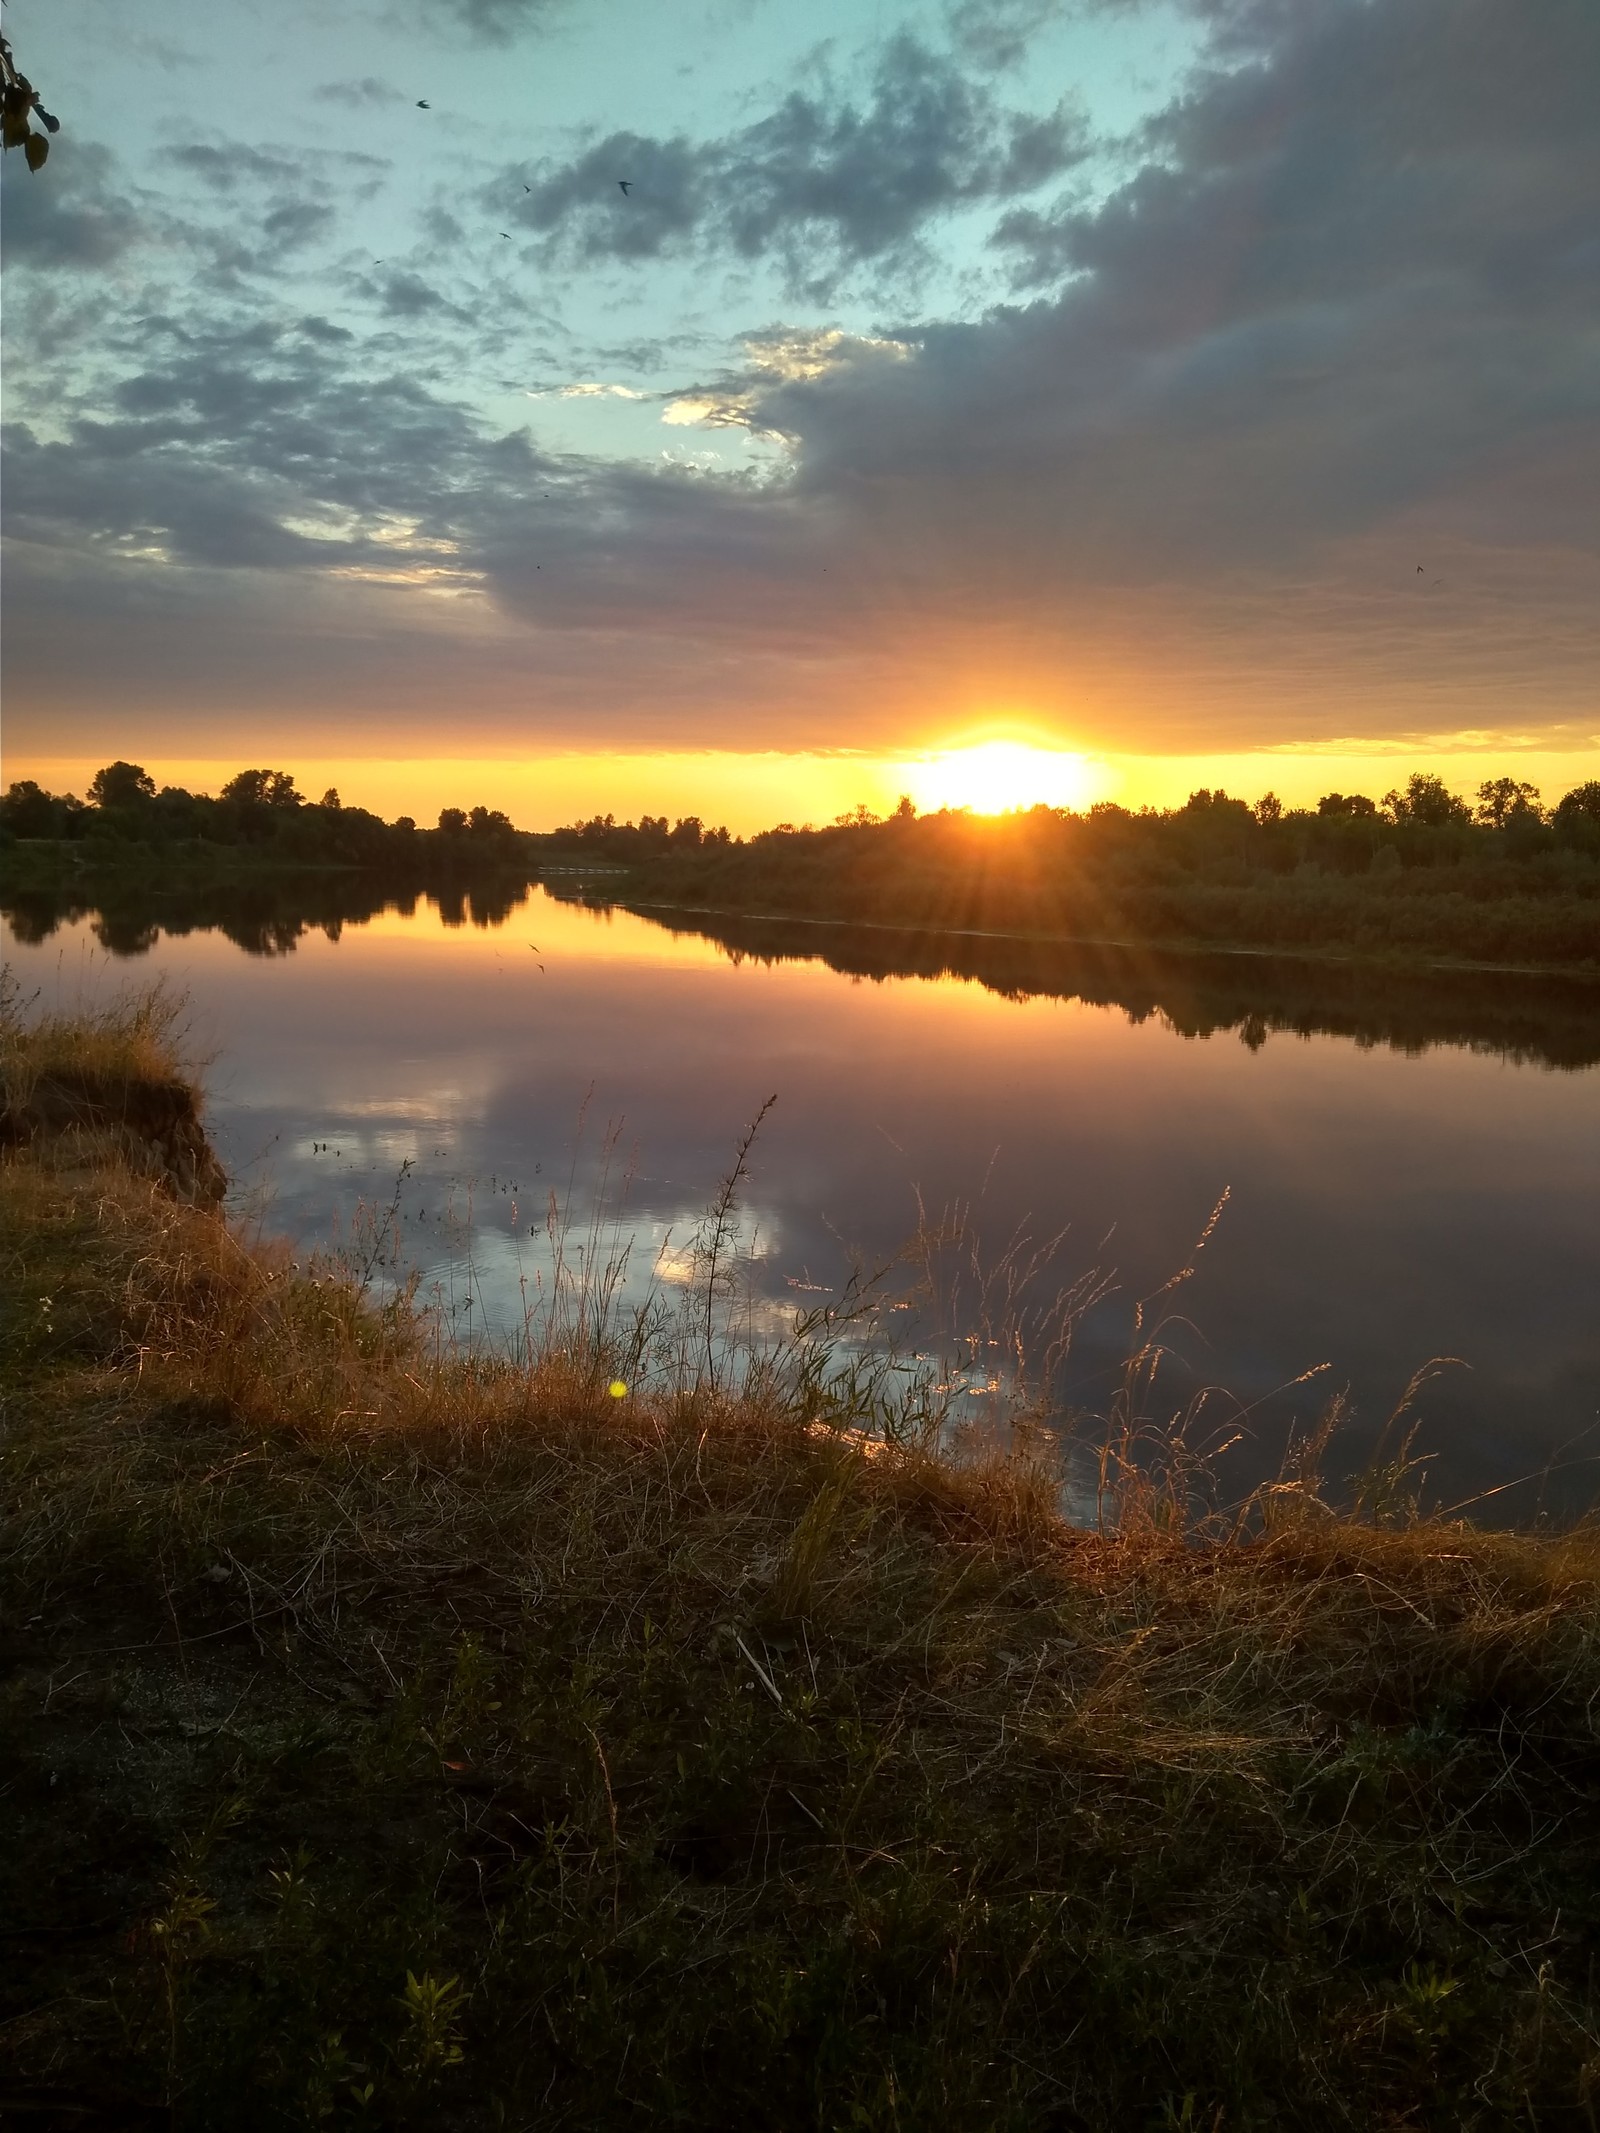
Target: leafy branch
19,102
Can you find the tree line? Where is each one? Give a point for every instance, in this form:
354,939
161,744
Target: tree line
258,812
1422,874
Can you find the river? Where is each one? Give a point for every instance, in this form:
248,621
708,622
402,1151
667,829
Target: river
1409,1174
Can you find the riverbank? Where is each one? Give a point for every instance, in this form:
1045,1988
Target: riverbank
1202,879
398,1738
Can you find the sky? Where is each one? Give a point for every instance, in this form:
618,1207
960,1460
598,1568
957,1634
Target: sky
1200,390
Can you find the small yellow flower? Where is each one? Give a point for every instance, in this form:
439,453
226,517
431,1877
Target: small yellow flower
618,1390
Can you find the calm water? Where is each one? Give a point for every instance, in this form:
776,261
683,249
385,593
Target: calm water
1422,1187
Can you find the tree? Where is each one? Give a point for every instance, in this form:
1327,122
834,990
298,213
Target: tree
1582,803
121,785
1348,804
29,811
452,821
330,800
1218,806
19,107
262,788
1426,800
1269,808
1577,817
1502,801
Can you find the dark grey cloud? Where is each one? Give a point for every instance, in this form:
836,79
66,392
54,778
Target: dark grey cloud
70,216
226,167
996,34
408,296
1342,312
823,183
1356,277
363,94
240,210
260,446
495,21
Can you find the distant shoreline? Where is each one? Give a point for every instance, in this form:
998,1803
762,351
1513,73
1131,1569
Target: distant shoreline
1582,973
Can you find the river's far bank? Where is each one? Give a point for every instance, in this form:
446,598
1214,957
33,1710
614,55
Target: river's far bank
1491,925
400,1737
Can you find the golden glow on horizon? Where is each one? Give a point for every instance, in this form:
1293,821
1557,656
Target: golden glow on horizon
752,791
995,777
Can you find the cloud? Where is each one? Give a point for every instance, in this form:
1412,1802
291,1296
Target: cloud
586,389
1339,317
226,168
494,21
358,95
266,446
407,296
72,218
1335,319
777,357
1354,280
822,183
996,34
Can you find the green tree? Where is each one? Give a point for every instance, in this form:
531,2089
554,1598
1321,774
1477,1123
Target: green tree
121,785
1426,800
1577,817
29,811
1581,804
1502,801
262,788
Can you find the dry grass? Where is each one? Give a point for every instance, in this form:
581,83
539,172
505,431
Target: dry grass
411,1739
131,1041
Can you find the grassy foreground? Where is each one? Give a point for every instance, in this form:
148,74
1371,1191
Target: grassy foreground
393,1738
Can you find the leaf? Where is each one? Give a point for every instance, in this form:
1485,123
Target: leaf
36,148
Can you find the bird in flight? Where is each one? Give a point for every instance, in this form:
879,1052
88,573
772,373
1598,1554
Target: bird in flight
626,184
423,104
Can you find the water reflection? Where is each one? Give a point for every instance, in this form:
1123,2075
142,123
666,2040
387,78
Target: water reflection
1404,1182
266,915
1550,1020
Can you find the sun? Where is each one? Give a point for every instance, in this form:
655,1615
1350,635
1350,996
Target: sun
994,777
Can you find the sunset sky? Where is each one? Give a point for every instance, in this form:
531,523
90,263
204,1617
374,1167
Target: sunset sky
1090,376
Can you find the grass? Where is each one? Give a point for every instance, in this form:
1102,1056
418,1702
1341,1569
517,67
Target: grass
130,1042
394,1737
